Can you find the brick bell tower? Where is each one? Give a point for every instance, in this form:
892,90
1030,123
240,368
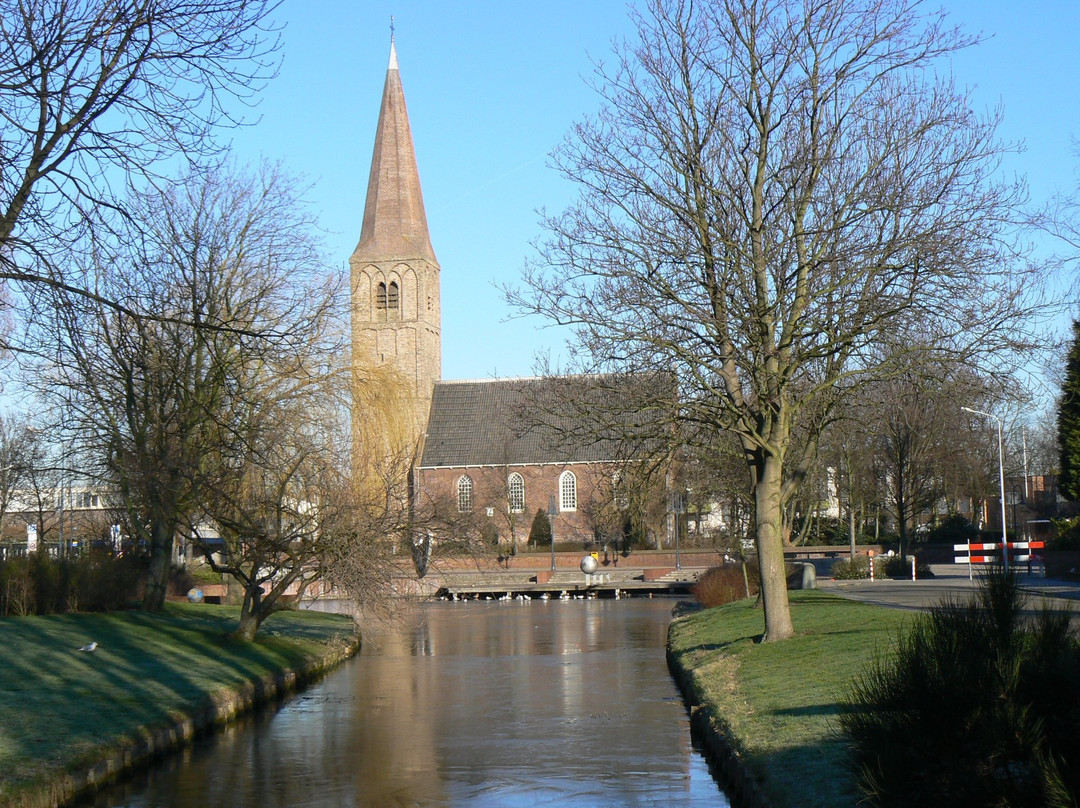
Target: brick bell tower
396,321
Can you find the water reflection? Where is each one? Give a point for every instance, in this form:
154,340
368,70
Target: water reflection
478,704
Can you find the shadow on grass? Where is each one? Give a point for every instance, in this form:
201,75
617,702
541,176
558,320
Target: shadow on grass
810,776
815,710
57,703
720,646
69,701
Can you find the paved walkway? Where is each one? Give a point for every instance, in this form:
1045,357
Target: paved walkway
951,582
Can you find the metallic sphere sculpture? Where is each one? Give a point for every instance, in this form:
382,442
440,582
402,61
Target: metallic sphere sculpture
589,565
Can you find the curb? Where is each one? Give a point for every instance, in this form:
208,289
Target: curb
147,743
721,749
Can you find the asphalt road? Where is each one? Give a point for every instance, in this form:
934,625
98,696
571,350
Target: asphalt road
952,582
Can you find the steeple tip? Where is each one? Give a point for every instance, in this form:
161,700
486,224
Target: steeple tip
395,223
393,50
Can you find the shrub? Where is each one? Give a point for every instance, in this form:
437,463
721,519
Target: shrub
634,534
489,534
16,588
900,567
953,529
50,581
105,584
725,584
42,585
846,569
1068,535
823,530
975,706
181,580
829,530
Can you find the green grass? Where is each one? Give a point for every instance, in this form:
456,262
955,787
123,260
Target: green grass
60,708
779,701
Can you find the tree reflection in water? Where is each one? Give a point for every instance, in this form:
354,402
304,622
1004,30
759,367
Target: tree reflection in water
465,704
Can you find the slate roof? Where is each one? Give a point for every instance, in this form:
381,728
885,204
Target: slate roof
501,422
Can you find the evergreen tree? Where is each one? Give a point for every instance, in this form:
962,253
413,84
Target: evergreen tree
540,532
1069,421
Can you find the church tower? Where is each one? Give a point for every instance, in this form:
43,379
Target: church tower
396,342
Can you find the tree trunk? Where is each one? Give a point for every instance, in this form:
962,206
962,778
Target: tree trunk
247,626
767,491
258,606
851,526
251,613
157,578
901,522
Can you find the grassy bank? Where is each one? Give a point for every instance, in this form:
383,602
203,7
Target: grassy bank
61,710
777,702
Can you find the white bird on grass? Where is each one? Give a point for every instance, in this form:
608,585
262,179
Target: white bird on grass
91,647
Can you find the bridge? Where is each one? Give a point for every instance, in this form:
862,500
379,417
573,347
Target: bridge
531,575
627,582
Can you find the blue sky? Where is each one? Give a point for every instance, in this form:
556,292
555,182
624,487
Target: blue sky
492,87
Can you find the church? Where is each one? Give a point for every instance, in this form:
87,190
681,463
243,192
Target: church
501,449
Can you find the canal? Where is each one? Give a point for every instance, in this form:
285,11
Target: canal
482,703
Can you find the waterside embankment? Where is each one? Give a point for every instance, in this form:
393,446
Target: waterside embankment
73,720
765,713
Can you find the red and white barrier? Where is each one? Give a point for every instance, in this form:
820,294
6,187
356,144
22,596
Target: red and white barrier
990,552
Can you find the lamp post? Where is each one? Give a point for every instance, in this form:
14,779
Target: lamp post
1001,480
552,510
677,509
1015,503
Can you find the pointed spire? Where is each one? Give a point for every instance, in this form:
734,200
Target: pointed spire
393,50
395,223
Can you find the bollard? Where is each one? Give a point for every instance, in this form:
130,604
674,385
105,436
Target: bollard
913,568
871,566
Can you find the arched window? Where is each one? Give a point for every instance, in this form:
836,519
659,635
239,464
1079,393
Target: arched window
393,296
618,491
464,493
567,491
380,297
515,493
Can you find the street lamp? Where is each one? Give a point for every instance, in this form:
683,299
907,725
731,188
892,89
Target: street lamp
1001,479
1015,502
552,510
677,508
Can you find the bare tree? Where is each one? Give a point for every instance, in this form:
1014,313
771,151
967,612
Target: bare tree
769,189
1039,444
94,92
20,451
914,427
221,280
279,494
360,555
291,513
714,474
850,446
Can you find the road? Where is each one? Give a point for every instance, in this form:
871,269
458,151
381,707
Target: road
951,582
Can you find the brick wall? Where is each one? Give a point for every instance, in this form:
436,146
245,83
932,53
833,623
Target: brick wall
541,483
